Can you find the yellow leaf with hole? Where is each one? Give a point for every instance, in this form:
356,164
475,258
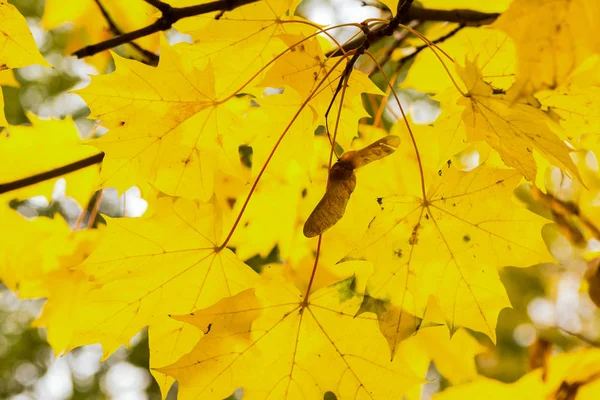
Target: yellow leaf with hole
274,346
552,38
443,234
167,127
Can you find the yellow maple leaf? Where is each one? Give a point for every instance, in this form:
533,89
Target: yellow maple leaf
442,235
544,32
33,248
513,130
571,375
169,113
143,270
576,101
454,357
272,344
45,148
241,41
303,68
269,121
485,6
17,47
493,50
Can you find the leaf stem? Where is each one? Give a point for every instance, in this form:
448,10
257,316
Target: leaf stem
314,271
290,48
272,153
410,132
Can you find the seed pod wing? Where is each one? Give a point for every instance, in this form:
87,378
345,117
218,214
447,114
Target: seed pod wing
332,206
375,151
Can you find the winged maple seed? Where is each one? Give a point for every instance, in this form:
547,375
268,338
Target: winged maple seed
341,184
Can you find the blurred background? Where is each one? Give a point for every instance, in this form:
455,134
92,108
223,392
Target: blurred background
549,305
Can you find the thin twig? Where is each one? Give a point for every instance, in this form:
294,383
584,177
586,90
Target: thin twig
398,39
419,49
150,56
170,15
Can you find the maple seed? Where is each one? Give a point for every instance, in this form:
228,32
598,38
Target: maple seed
342,182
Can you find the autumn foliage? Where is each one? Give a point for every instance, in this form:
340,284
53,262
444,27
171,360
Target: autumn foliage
267,131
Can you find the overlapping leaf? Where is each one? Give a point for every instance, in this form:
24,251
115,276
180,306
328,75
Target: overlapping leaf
513,130
167,127
552,38
306,70
17,47
241,41
569,376
275,346
442,236
577,100
33,249
142,271
493,50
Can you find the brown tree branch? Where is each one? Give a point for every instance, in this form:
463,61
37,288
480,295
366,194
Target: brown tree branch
169,16
463,17
53,173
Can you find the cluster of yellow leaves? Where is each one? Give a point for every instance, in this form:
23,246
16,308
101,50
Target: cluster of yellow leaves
420,244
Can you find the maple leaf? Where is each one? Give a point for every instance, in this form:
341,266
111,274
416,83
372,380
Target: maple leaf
547,52
17,47
169,113
493,50
272,344
576,100
40,148
143,270
33,248
513,130
432,238
569,376
306,63
246,34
